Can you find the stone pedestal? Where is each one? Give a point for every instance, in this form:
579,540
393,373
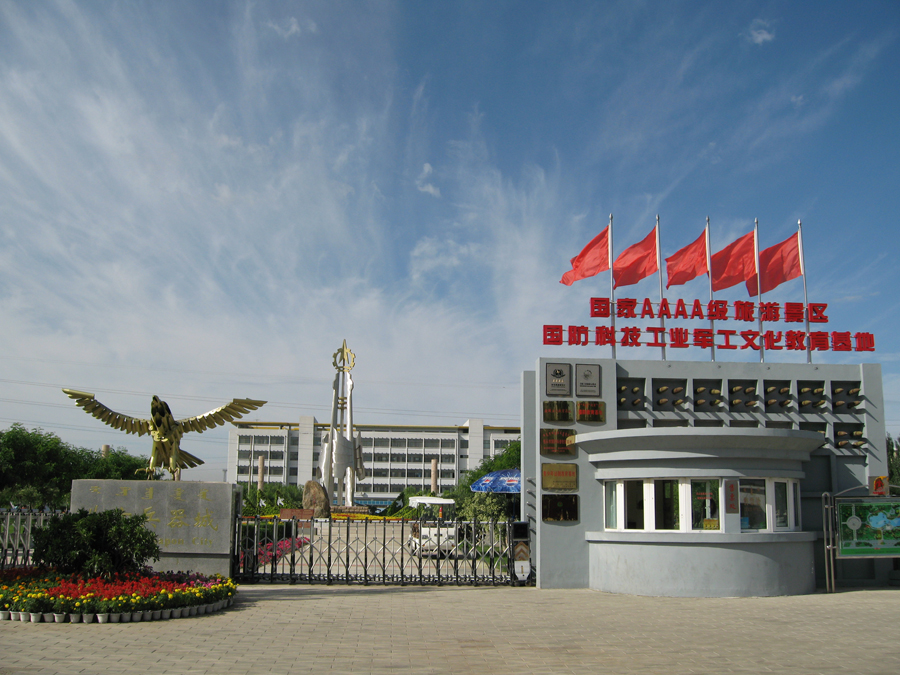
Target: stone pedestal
193,521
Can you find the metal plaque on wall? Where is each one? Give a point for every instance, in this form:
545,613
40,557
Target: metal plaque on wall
587,380
559,379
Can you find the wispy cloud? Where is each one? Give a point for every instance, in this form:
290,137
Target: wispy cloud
760,32
421,182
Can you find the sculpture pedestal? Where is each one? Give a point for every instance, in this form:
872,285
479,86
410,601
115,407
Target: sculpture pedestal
194,522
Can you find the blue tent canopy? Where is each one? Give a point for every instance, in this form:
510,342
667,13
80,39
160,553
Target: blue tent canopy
505,480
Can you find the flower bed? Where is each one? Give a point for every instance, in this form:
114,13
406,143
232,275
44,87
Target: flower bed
49,596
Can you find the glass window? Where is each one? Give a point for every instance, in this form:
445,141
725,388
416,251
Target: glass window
398,442
705,504
782,519
634,504
448,442
611,517
797,523
753,503
245,440
666,501
414,442
277,440
432,442
382,442
448,473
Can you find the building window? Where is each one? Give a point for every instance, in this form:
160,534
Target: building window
634,504
294,456
363,487
382,442
381,487
448,443
315,456
398,442
705,504
276,454
277,440
260,440
414,443
487,444
292,471
448,473
380,473
276,470
665,499
753,503
243,454
411,458
501,443
367,456
245,440
398,473
428,458
295,440
243,470
414,473
611,520
432,442
398,457
448,459
368,442
782,516
381,457
463,443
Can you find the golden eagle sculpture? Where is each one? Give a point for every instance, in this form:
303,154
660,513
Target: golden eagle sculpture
165,430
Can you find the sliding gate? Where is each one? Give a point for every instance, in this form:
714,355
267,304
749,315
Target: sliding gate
372,551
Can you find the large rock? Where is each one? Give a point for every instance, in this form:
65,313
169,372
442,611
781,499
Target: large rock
315,498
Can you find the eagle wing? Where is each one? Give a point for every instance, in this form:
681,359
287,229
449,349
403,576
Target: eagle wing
222,415
130,425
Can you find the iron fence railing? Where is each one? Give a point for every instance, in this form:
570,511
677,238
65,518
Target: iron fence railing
15,535
372,551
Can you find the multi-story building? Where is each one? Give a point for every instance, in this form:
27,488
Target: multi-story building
396,456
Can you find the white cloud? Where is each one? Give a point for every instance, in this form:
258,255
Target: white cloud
291,26
759,32
423,186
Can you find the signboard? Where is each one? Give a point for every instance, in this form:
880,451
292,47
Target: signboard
559,477
558,411
587,380
557,442
748,335
868,527
732,499
559,379
591,411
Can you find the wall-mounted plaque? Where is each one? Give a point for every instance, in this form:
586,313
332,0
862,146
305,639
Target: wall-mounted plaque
559,477
591,411
558,442
559,507
587,380
732,500
559,411
559,379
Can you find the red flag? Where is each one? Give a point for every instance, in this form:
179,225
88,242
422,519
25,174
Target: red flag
593,259
636,262
688,263
734,263
778,263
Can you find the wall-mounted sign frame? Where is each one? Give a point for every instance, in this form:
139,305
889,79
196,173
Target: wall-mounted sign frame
559,477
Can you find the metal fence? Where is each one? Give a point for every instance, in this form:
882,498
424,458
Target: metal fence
373,551
15,536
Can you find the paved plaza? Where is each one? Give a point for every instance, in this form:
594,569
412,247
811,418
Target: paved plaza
355,629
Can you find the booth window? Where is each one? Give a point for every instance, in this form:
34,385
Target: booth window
666,501
611,517
634,504
782,517
705,504
753,503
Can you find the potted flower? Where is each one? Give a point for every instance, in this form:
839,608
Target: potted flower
62,605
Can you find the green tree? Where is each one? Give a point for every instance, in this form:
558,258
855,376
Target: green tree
893,460
37,467
485,506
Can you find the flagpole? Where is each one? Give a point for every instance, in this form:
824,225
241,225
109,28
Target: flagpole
762,351
612,286
662,321
805,297
712,323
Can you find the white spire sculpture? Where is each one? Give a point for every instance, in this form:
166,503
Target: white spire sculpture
342,461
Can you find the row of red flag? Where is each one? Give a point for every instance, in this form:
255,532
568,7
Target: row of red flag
730,266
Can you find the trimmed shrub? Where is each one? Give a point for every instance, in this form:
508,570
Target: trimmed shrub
95,544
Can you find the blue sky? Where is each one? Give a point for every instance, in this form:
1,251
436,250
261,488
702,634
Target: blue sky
202,200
